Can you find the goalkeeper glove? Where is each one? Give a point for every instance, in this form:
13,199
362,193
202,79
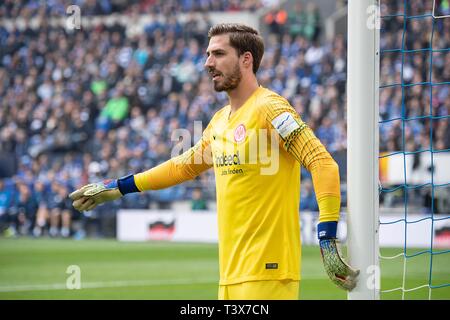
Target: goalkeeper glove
340,273
89,196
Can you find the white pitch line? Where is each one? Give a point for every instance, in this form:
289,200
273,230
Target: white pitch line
104,284
135,283
118,284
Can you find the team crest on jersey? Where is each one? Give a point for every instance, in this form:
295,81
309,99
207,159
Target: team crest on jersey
239,133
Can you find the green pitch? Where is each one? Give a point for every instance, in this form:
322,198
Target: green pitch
36,269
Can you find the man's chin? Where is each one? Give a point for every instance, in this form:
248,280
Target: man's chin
218,87
225,86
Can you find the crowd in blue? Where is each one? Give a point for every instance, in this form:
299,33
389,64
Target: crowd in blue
83,106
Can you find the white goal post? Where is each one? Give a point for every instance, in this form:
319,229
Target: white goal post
363,145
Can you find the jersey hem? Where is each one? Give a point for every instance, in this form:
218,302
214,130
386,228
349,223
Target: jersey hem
287,276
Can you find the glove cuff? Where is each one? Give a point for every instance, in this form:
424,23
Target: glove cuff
327,230
110,184
127,185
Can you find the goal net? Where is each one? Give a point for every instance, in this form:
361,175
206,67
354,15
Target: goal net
414,146
398,175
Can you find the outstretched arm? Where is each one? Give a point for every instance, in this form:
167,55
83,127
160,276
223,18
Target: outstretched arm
174,171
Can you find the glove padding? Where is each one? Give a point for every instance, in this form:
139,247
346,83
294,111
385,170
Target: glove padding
344,276
89,196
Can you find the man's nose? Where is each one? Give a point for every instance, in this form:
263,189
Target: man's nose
209,62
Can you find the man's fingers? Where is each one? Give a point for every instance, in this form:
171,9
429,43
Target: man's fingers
80,203
87,204
348,270
347,282
350,283
92,206
84,203
354,273
77,193
94,189
341,273
351,279
347,279
81,192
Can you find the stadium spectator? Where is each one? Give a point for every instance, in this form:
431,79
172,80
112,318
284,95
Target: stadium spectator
26,210
114,112
59,210
40,190
304,23
6,204
198,201
296,20
276,20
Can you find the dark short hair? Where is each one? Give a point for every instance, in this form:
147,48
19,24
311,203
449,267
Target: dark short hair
243,38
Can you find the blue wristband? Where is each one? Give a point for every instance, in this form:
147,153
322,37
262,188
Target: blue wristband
127,185
327,230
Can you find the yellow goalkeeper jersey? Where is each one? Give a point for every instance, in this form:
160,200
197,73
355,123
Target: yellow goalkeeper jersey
256,153
259,236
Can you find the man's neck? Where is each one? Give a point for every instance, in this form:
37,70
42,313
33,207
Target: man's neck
239,95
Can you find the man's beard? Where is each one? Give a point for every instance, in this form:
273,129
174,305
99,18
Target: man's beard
229,82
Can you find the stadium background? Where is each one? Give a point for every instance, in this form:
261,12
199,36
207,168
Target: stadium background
82,105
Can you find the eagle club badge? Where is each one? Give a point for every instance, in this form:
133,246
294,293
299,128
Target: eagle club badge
239,133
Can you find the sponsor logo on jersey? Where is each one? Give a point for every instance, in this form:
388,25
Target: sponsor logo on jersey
227,159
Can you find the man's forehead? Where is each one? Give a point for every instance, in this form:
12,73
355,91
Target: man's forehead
221,41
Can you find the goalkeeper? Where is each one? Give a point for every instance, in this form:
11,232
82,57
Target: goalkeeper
257,201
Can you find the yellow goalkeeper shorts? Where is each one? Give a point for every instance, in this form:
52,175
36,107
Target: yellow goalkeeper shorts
261,290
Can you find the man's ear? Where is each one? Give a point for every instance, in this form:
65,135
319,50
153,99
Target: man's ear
247,59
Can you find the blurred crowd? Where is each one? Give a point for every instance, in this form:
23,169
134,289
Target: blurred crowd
405,52
419,98
93,104
26,9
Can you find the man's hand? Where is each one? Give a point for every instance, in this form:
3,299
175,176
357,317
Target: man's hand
339,272
89,196
343,275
